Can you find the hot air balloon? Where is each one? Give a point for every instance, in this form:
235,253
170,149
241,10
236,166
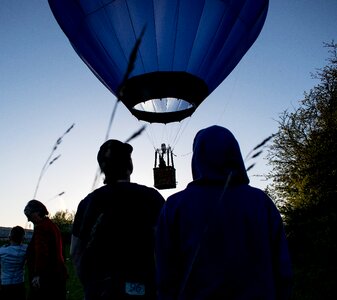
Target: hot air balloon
180,50
187,49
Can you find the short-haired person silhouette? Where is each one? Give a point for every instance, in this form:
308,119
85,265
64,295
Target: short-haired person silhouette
12,266
220,238
114,229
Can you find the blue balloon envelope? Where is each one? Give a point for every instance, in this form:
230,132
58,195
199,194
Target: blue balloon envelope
181,50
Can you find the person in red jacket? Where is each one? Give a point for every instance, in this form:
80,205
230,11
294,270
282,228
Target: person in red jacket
45,262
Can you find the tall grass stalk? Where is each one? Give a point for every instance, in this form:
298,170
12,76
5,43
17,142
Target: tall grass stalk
50,160
130,67
257,151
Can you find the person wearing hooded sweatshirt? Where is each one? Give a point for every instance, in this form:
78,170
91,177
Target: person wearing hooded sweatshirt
220,238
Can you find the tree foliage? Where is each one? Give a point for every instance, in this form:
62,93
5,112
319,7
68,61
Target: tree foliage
303,156
64,220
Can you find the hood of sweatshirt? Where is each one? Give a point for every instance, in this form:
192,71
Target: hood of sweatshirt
216,155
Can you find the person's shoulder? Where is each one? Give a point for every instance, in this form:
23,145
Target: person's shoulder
3,248
46,227
20,249
141,186
88,200
255,195
9,249
148,188
246,188
137,187
23,249
94,194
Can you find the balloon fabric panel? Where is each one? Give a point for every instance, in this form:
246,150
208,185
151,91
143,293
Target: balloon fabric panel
187,49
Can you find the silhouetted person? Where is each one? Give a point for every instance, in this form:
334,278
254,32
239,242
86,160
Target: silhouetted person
12,266
162,152
113,232
220,238
162,163
47,271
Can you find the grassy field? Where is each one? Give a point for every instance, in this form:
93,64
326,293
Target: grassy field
74,287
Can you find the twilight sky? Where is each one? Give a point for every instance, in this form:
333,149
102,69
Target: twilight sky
45,88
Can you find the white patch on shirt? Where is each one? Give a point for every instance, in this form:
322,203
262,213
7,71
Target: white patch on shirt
134,288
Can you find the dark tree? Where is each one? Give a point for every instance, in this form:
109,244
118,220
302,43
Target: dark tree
64,220
303,156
